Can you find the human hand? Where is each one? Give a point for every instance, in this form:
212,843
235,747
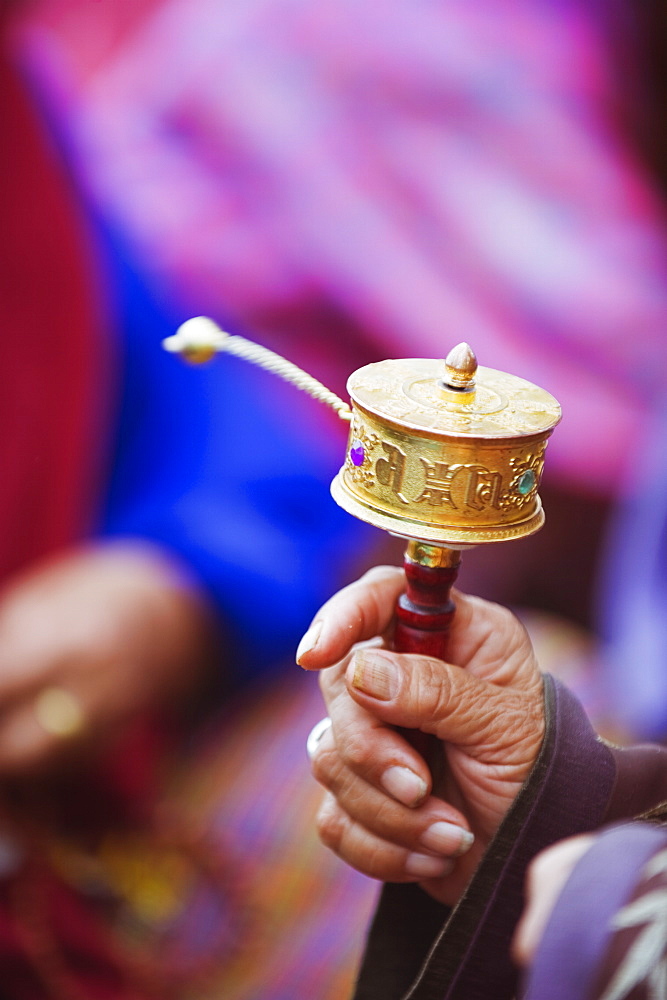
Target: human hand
112,629
380,814
546,878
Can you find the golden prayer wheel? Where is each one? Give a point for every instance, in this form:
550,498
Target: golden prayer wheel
441,451
446,452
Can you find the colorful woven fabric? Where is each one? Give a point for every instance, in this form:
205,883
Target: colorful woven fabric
227,892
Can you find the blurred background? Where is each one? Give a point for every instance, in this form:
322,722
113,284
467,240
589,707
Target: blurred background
343,183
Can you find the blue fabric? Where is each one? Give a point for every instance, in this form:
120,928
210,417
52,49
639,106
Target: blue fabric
225,466
228,468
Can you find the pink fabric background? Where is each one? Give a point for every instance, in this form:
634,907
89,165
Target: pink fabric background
426,172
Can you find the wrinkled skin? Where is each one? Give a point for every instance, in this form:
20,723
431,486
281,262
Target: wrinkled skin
115,625
485,707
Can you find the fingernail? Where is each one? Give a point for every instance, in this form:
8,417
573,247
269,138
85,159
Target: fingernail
309,641
447,838
426,866
375,674
404,785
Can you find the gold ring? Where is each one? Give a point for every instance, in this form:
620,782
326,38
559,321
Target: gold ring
59,712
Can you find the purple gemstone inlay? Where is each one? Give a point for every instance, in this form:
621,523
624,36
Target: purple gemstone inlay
357,453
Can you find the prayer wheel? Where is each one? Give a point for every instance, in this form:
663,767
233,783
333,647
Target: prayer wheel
444,453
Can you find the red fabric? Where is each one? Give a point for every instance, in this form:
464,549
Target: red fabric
79,962
54,365
51,348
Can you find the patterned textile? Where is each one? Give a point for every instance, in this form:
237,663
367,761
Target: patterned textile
427,172
641,928
226,891
591,907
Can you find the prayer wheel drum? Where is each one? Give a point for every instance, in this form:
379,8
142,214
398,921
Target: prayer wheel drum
445,452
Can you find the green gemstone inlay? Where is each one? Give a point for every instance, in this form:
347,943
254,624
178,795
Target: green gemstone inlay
526,482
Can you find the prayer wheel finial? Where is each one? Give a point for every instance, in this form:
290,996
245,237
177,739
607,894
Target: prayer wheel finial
460,368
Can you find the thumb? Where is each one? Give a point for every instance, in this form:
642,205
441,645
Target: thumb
420,692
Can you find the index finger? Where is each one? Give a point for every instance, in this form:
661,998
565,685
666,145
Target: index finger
359,612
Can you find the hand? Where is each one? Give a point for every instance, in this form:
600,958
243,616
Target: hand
546,878
116,627
380,814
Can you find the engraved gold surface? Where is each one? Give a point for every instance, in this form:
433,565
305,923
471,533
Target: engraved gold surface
439,534
409,392
448,470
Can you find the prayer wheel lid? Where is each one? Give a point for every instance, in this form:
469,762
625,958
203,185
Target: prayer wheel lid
453,398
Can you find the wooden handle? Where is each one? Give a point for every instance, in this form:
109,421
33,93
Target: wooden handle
423,618
424,612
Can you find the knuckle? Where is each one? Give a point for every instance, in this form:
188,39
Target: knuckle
329,681
357,751
375,862
433,689
389,822
324,765
379,863
329,825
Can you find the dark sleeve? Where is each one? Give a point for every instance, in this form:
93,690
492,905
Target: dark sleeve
577,783
608,925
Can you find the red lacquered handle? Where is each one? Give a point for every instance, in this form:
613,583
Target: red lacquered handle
423,618
424,612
